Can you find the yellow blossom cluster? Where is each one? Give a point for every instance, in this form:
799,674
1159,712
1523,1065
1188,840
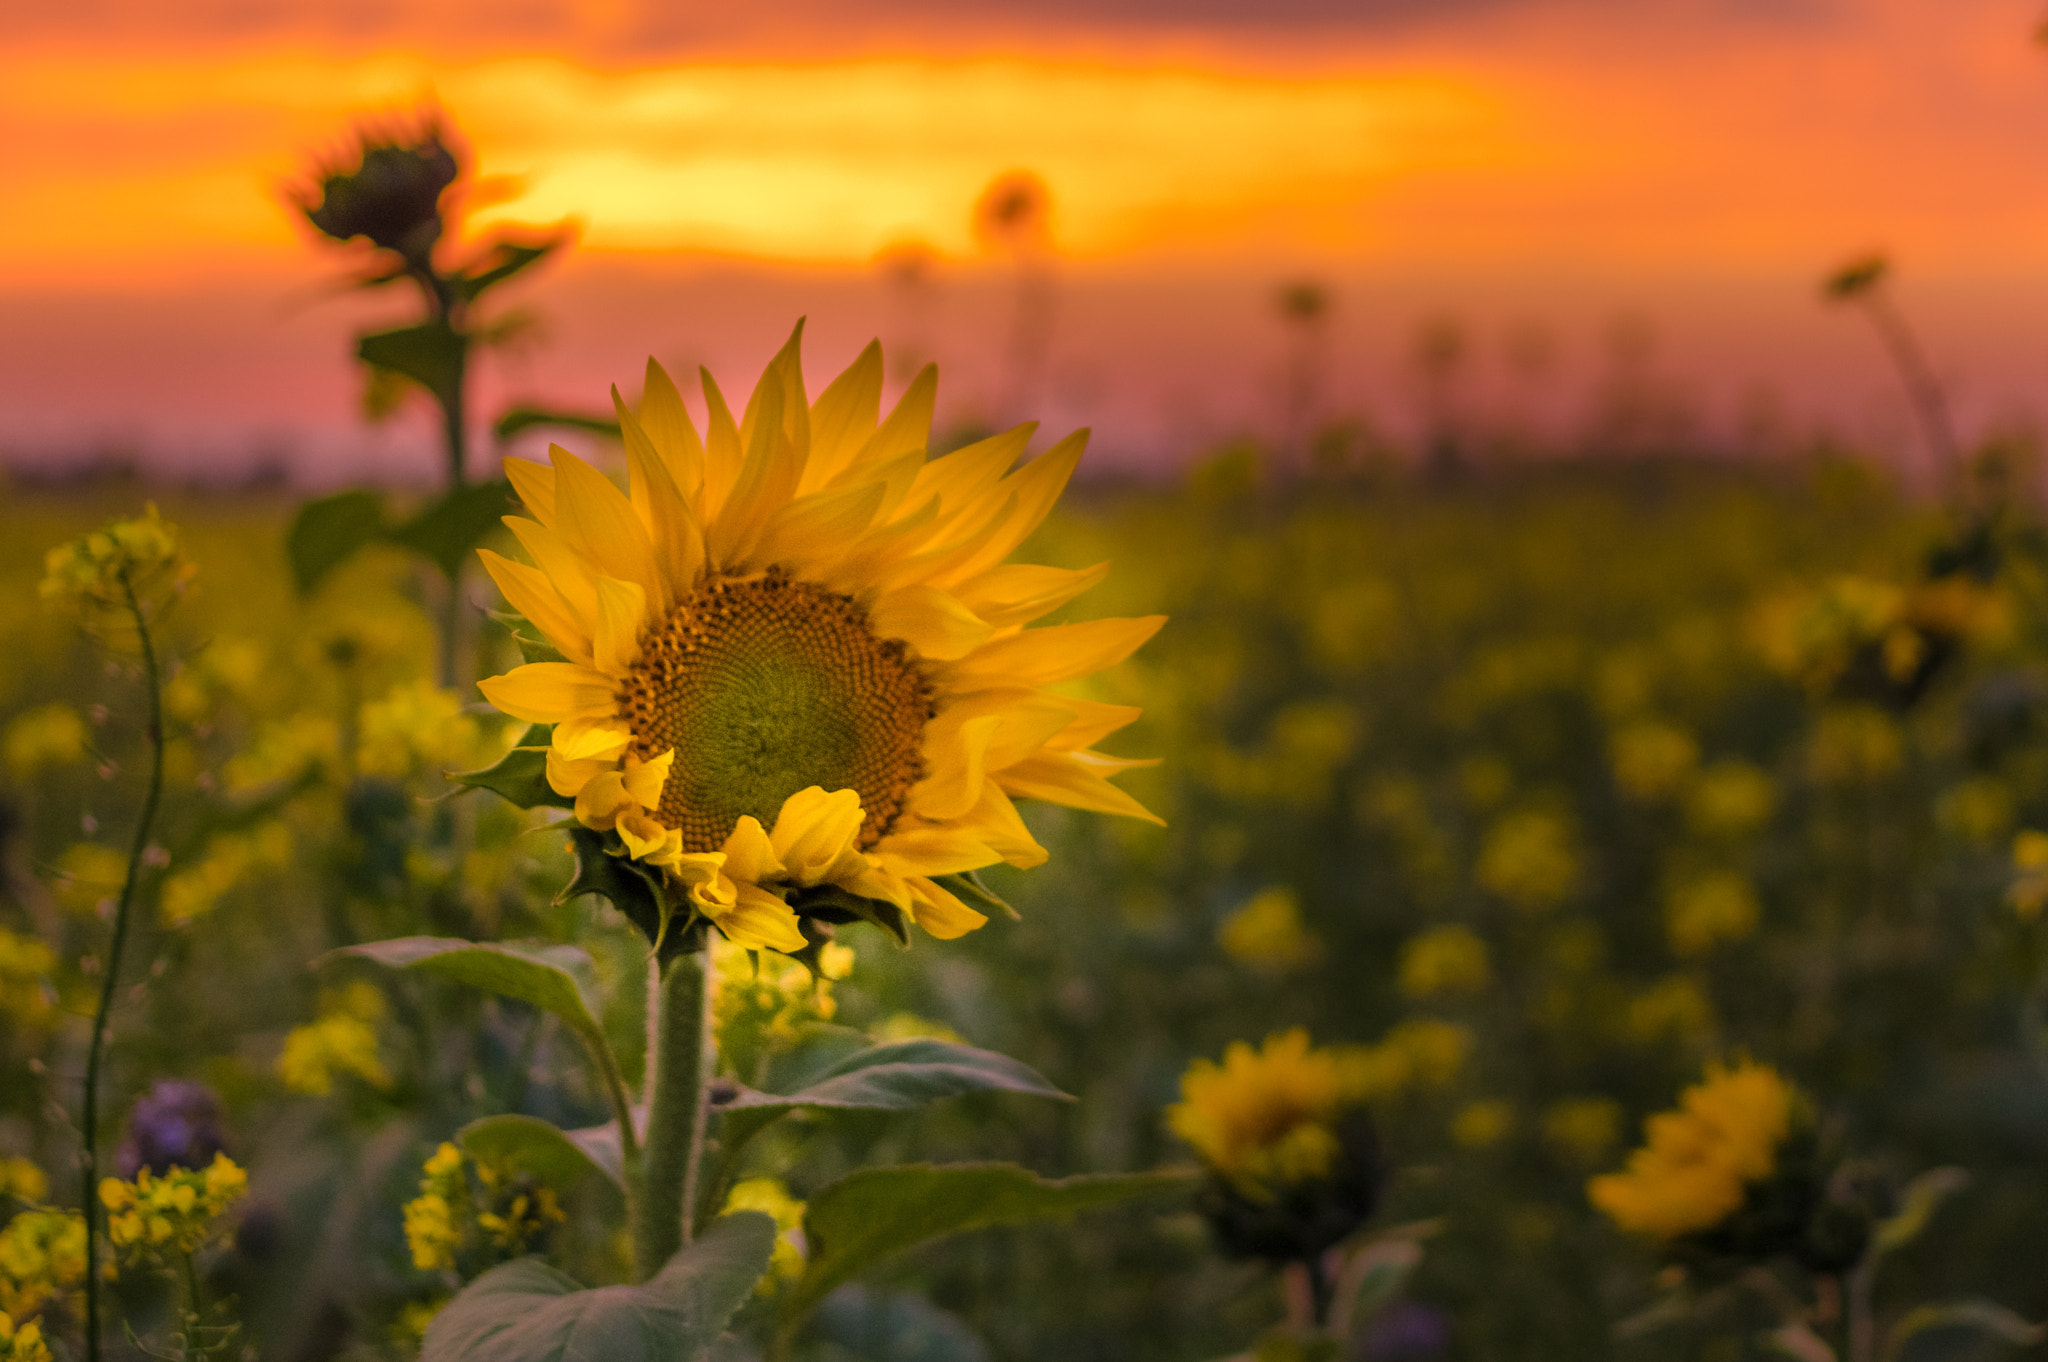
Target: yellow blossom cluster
505,1212
417,727
22,1180
1444,960
1530,858
342,1041
1698,1162
762,998
89,876
193,891
770,1197
101,568
45,738
2029,890
42,1261
22,1343
175,1213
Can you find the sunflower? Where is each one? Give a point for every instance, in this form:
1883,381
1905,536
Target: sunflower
791,662
1698,1162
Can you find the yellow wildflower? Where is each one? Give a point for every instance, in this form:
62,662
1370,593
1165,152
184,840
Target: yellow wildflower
1449,959
1268,1117
1582,1129
25,966
1652,759
42,1261
99,569
1530,859
1267,932
89,877
342,1040
432,1231
1481,1124
193,891
2029,889
1705,912
22,1343
1698,1162
173,1213
42,739
22,1180
768,1195
1730,798
417,727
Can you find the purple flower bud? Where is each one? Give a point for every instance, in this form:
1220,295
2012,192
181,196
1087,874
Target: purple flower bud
177,1124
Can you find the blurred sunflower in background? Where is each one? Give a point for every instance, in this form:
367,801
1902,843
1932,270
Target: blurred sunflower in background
790,668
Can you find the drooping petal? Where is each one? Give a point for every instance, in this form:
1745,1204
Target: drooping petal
749,855
937,625
939,912
1063,778
644,779
567,777
932,851
599,803
815,831
528,590
994,822
760,921
549,692
596,736
647,840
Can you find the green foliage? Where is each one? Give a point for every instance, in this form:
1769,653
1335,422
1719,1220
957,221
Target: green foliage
875,1213
526,1311
520,419
432,354
521,775
542,1148
328,531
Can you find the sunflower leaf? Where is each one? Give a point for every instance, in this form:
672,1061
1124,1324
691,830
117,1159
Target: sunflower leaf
830,903
520,777
432,354
554,978
448,531
328,531
874,1213
526,1311
905,1074
538,1147
968,888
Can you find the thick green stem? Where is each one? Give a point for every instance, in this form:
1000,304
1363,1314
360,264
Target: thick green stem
682,1059
96,1050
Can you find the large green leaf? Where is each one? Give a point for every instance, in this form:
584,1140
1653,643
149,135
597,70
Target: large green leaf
902,1075
502,260
447,532
526,1311
541,1148
431,354
557,979
328,531
872,1214
521,775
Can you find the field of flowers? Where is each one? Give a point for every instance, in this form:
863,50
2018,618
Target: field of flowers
1542,796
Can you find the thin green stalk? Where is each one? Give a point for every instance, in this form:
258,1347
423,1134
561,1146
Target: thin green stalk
96,1051
682,1060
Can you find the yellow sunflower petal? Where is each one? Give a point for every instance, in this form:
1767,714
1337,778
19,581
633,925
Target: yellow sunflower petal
567,777
749,855
621,615
939,912
816,528
596,520
723,453
529,591
549,692
534,485
599,803
661,503
979,734
1063,778
814,832
647,840
932,851
1093,721
667,424
1033,489
994,822
935,624
1018,593
844,416
760,921
767,481
958,479
573,578
909,424
597,735
644,779
1061,652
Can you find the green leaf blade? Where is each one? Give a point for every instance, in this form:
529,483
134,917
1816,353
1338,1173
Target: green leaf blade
904,1075
538,1147
554,978
328,531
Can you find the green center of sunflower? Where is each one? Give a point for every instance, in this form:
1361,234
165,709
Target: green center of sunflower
765,686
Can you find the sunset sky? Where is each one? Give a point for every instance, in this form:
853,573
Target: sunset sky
1527,166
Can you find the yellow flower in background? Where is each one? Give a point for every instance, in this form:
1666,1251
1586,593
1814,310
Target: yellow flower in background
1704,912
101,568
1697,1163
1482,1124
431,1229
342,1041
793,654
2029,889
761,1000
1267,932
1672,1008
1530,858
42,1261
1979,810
22,1343
1582,1130
418,726
43,739
1730,798
1855,744
770,1197
1652,760
449,1219
23,1180
193,891
1268,1117
175,1213
1449,959
25,966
